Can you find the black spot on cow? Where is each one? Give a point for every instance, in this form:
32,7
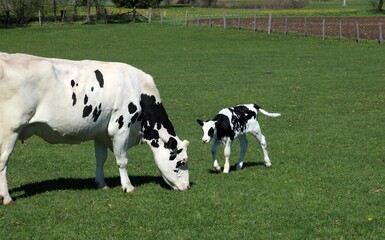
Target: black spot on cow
134,118
120,121
99,77
211,132
85,99
154,116
97,111
87,110
222,124
72,83
132,108
171,144
155,143
92,89
74,99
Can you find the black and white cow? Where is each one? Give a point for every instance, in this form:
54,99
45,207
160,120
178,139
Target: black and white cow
62,101
231,123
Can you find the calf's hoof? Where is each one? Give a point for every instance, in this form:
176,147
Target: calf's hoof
267,164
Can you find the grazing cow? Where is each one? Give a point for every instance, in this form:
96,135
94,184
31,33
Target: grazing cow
231,123
62,101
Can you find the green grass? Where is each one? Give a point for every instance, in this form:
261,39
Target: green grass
327,180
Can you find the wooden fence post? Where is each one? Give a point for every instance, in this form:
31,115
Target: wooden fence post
340,30
224,20
255,23
380,33
239,21
323,29
269,26
210,23
286,26
149,15
198,20
358,32
185,18
305,27
161,17
40,18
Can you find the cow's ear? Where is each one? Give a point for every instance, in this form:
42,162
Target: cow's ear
172,143
200,122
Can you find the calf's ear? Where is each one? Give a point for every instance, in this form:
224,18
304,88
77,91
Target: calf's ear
200,122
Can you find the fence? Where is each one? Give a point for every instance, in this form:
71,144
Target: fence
356,28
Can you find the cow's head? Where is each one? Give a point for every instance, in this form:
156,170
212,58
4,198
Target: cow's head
172,160
209,129
170,153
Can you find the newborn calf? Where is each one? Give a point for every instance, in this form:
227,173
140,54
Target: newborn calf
231,123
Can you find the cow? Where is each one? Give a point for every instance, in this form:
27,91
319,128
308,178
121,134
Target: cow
231,123
63,101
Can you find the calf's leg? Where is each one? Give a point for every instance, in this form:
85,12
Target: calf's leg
214,155
227,151
262,141
244,143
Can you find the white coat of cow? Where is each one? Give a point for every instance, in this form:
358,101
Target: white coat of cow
231,123
63,101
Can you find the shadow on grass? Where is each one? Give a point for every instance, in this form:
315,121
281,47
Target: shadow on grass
32,189
233,167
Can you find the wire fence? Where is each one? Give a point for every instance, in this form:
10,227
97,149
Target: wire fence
356,28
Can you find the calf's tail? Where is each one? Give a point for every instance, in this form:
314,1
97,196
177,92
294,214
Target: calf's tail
264,112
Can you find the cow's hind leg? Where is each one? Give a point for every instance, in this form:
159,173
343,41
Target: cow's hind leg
243,142
214,155
101,156
6,147
262,141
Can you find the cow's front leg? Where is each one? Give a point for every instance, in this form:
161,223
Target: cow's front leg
101,156
243,142
214,155
121,159
227,151
6,148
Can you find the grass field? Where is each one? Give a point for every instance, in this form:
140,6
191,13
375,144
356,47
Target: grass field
328,154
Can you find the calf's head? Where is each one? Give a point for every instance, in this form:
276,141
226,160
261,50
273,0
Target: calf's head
209,130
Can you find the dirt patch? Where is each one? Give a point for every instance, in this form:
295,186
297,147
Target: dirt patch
341,27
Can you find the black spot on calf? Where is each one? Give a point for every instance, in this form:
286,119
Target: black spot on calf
99,77
72,83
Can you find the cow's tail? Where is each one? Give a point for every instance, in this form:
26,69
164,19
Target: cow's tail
264,112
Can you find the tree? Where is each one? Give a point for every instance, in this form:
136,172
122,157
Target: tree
379,6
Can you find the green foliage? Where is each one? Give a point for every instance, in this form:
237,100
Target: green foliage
327,180
137,3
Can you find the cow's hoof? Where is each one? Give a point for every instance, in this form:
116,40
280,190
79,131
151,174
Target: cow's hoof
105,188
226,171
268,164
128,189
8,203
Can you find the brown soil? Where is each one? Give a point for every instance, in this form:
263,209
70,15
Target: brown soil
340,27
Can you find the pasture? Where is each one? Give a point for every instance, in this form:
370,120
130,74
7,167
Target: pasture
327,179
